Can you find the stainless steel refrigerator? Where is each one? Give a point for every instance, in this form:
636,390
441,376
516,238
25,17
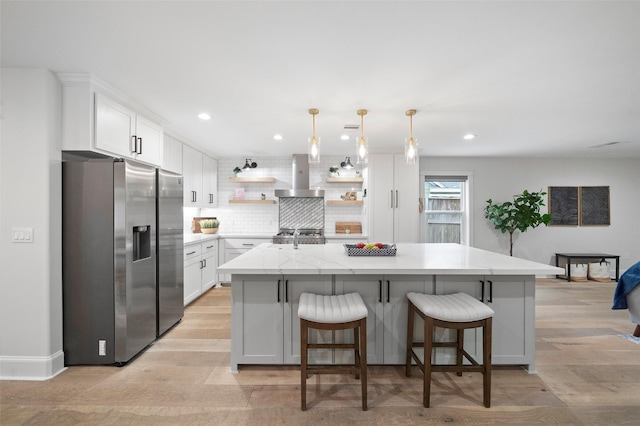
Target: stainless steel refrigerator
108,259
170,246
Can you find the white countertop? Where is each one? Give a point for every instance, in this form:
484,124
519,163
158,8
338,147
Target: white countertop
440,259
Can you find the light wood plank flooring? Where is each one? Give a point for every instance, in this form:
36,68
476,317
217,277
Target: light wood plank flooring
586,375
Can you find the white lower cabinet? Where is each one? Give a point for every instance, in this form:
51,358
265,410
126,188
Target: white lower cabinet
294,286
192,274
512,299
266,328
257,320
234,247
209,260
200,263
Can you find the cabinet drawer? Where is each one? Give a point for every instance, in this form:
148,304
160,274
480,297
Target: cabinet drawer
243,243
192,252
209,247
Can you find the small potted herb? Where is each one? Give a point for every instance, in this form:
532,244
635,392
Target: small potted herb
209,226
236,171
334,171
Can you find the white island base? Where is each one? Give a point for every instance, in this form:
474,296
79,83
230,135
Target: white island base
267,282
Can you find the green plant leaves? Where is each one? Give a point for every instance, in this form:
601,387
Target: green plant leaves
521,214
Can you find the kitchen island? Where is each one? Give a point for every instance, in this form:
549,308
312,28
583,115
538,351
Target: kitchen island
267,282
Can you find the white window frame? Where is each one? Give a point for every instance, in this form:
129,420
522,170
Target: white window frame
466,234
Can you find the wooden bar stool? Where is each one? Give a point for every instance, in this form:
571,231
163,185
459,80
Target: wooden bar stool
454,311
342,312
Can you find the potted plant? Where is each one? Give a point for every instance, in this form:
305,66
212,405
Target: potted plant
521,214
333,170
236,171
209,226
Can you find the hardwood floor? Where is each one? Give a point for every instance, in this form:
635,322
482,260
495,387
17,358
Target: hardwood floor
587,374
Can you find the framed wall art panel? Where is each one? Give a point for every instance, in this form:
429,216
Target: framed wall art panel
563,205
594,205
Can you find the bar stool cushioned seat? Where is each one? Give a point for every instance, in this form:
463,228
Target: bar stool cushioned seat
457,311
339,312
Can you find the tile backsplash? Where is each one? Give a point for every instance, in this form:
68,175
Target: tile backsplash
263,218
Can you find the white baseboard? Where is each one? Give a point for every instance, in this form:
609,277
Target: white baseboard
31,367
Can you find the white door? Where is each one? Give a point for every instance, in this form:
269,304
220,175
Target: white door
114,127
381,198
396,312
370,288
209,182
407,194
149,141
192,175
294,286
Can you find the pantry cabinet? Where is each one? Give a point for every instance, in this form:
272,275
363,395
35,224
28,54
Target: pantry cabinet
394,191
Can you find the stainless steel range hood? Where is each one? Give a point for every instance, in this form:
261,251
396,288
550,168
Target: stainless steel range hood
300,180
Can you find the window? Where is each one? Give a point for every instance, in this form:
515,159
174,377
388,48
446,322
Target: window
445,215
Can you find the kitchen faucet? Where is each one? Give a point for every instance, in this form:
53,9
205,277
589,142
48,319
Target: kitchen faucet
295,239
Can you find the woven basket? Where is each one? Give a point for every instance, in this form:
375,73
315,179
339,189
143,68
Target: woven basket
386,250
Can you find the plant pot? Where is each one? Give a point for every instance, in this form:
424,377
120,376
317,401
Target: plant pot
209,230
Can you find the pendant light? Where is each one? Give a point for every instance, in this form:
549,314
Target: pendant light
314,142
410,144
362,150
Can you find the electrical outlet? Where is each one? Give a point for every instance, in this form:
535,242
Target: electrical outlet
102,347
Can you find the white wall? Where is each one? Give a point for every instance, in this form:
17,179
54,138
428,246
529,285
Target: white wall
30,190
263,219
500,179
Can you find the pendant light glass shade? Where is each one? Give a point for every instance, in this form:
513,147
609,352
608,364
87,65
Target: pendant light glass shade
410,143
362,149
314,141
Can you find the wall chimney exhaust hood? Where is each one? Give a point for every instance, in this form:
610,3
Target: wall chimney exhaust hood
300,180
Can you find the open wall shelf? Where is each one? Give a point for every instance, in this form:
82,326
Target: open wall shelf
257,179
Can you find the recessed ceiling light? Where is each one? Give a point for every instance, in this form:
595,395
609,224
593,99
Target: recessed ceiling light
469,136
204,116
277,137
344,137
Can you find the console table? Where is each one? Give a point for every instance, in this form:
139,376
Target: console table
601,256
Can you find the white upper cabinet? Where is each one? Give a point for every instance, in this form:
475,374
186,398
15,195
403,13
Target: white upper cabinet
209,182
192,175
200,179
95,117
149,141
172,155
121,131
115,125
394,193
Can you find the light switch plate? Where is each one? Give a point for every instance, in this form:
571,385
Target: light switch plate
22,235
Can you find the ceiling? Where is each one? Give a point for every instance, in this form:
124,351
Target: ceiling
539,78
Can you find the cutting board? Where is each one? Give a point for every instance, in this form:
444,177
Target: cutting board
195,224
354,227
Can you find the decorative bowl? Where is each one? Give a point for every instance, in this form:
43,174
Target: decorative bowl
209,230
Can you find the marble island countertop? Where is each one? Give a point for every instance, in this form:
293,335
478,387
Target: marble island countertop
440,259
